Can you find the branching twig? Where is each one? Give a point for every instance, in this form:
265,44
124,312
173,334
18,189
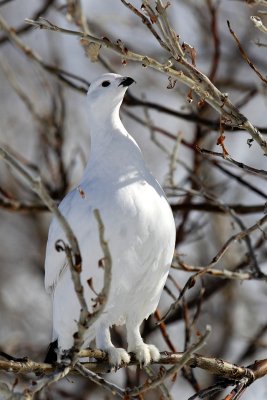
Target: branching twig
197,81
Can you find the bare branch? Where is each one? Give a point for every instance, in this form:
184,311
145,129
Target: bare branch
251,170
244,54
99,380
87,319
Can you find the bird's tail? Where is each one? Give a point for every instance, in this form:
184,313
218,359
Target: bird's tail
51,355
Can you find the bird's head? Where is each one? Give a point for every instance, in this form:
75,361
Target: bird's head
106,93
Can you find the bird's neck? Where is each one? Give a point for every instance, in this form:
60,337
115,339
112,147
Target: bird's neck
112,148
102,130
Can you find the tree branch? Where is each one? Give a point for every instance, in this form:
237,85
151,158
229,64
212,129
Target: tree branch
197,80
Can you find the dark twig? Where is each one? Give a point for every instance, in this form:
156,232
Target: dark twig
3,2
213,9
240,180
253,344
244,54
247,168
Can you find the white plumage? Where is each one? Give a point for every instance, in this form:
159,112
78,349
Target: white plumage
139,228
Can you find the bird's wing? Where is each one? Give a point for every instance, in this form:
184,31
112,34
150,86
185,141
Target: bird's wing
56,261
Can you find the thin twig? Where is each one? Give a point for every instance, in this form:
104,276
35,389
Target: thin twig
99,380
146,22
247,168
218,273
244,54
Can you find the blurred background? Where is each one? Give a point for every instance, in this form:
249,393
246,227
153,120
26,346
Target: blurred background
43,122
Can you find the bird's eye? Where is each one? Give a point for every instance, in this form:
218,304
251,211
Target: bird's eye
105,83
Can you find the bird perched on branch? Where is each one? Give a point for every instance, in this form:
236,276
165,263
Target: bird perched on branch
139,229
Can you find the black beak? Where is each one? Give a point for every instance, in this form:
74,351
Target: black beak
127,81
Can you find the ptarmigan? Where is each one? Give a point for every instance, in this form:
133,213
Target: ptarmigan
139,228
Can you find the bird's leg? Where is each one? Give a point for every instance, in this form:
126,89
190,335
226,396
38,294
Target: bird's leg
144,353
116,356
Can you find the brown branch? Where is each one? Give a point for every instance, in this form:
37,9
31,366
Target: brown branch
244,54
163,329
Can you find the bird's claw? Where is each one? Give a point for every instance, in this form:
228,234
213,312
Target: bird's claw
117,357
146,353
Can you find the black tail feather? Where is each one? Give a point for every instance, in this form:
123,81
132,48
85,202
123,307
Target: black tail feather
51,356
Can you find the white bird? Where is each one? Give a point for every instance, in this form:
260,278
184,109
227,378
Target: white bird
139,228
